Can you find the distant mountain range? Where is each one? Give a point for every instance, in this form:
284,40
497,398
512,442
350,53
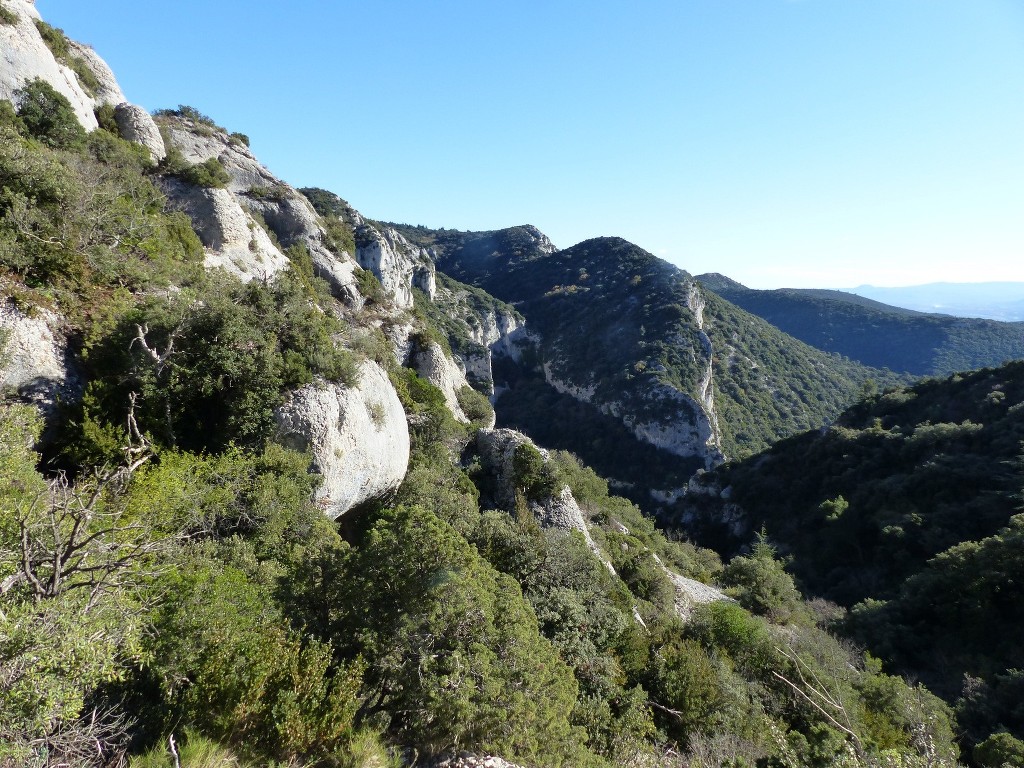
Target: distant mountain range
993,301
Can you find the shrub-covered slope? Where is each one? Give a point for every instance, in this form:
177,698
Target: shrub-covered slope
171,593
876,334
620,327
905,510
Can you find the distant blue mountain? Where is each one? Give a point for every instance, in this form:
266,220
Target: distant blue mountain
992,301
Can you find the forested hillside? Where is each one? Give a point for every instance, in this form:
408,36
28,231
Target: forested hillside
616,324
876,334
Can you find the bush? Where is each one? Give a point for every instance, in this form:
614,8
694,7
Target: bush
7,16
57,42
210,173
475,405
48,115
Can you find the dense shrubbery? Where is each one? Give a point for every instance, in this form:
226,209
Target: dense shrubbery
906,516
59,46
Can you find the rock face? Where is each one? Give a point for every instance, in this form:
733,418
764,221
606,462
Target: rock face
440,370
233,240
24,57
398,264
358,437
33,359
254,189
497,449
138,126
108,91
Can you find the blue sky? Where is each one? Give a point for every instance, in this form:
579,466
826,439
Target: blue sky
803,143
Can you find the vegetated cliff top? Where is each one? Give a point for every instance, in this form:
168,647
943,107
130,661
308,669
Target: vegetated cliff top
877,334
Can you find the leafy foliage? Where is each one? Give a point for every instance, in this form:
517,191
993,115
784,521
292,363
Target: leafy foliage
48,115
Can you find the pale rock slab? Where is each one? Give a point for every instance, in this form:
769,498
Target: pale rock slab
109,92
440,370
358,437
33,358
24,57
233,240
138,126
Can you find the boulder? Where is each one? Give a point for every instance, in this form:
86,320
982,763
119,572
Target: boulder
138,126
234,241
357,436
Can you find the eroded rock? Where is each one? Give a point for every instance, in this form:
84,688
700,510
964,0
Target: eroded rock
34,359
138,126
440,370
357,436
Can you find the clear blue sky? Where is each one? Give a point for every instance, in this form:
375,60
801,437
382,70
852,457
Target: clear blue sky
824,143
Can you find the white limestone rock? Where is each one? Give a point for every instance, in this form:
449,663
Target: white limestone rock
398,264
24,57
138,126
440,370
34,360
358,437
232,238
108,92
286,211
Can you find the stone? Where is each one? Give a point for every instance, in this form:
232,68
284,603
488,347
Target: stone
440,370
34,361
24,57
234,241
138,126
357,436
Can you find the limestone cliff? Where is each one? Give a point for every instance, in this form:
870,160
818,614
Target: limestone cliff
398,264
254,197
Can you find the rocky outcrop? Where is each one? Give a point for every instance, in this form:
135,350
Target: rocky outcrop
107,91
286,212
497,449
34,360
234,241
440,370
683,427
689,592
138,126
468,760
357,436
24,57
398,264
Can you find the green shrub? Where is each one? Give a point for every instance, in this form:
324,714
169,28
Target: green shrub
999,751
7,16
48,115
476,406
57,42
105,117
239,138
210,173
